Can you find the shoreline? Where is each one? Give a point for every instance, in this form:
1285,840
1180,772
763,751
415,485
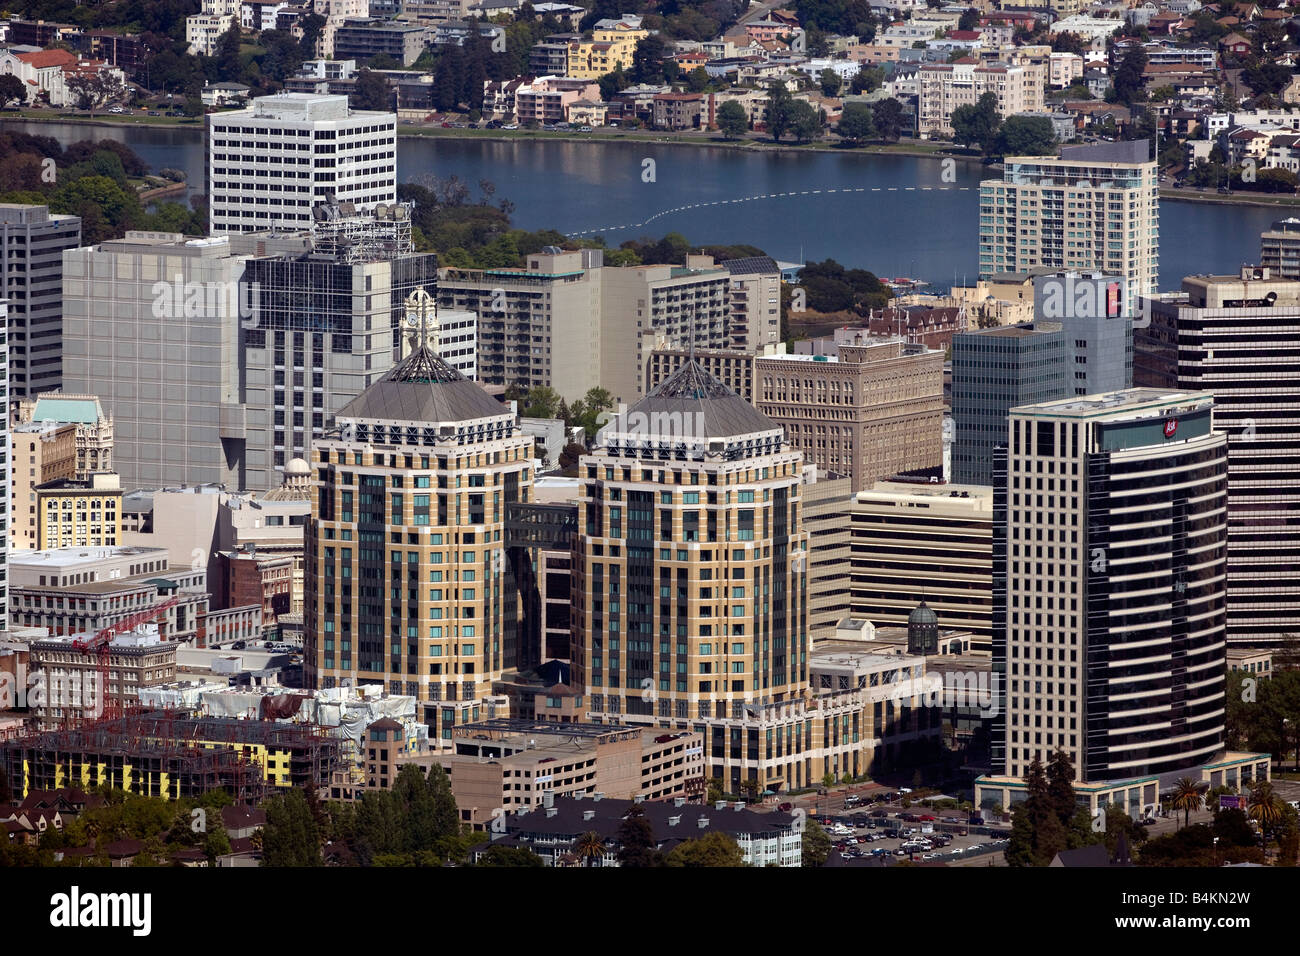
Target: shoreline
1273,200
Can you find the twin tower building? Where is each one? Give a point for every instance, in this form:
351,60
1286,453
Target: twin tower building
689,567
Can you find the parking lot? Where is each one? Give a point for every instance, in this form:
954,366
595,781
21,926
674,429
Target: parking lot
915,834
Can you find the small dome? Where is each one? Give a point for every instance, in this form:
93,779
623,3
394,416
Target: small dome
297,466
922,614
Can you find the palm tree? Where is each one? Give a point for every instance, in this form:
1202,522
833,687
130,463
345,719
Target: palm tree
1265,809
1187,797
589,846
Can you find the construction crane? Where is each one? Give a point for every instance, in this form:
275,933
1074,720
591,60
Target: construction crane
100,646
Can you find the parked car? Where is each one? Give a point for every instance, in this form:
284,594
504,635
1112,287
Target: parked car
976,820
238,646
786,807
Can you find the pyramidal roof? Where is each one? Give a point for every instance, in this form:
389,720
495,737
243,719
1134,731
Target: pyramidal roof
423,388
697,399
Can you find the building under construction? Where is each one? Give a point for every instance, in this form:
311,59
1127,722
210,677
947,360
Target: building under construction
172,755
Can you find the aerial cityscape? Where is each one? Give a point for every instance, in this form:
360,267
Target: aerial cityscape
650,434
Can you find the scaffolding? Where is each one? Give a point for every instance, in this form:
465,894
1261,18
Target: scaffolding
345,233
171,754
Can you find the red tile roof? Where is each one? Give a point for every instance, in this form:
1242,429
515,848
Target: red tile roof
48,58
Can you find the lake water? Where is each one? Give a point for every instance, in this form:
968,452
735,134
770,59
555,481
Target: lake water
891,214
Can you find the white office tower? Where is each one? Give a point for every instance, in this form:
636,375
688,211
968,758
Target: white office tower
268,165
1109,549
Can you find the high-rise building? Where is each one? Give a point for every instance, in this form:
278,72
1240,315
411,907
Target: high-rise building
1234,336
1095,209
913,542
32,241
326,325
1081,343
168,308
406,579
755,322
1279,248
648,307
692,604
870,410
270,165
536,326
993,371
1109,599
1096,328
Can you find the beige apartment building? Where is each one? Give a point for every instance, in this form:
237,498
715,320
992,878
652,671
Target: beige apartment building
871,411
913,542
511,765
405,582
946,86
41,453
537,326
649,307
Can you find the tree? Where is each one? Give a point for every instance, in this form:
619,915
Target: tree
1265,808
969,20
806,122
732,120
780,111
90,91
1128,83
857,123
589,846
816,844
216,843
888,116
509,856
290,836
1187,797
541,402
1067,43
648,59
371,92
615,81
714,849
12,90
636,843
830,82
1026,136
976,124
867,80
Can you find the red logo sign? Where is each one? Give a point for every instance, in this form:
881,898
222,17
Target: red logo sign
1171,426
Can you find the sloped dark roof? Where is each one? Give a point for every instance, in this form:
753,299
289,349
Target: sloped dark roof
423,388
693,391
1092,855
